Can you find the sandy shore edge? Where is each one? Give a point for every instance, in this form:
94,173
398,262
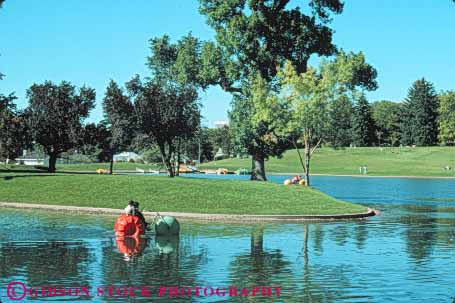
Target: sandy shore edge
195,216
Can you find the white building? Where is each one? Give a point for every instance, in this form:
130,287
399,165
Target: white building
220,123
126,157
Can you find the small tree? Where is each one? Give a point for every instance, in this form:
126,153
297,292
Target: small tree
55,115
447,118
310,94
363,128
166,115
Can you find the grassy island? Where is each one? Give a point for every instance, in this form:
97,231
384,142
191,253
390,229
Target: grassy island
165,194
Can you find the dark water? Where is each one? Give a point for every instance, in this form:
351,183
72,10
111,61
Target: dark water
405,255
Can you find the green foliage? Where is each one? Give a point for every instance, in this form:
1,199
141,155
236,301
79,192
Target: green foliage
189,62
14,133
315,94
96,142
363,127
341,111
311,94
119,119
257,123
420,114
220,138
165,114
447,118
55,115
387,118
257,36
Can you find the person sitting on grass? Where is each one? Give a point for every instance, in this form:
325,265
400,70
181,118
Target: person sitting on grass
296,179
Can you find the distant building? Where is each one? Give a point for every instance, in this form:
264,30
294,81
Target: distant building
126,157
220,124
31,159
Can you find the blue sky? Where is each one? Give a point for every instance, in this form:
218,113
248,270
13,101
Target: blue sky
91,42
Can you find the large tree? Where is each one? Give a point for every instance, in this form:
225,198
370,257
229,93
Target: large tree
420,115
56,113
254,38
120,120
447,118
167,115
258,125
363,128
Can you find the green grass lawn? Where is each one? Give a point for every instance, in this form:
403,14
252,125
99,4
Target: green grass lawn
405,161
165,194
92,167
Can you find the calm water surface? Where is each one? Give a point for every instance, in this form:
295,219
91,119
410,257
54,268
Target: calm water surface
405,255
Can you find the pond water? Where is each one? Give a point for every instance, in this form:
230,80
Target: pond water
407,254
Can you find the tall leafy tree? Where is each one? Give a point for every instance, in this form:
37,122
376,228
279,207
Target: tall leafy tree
310,95
96,142
420,115
254,38
166,115
119,118
183,68
447,118
55,116
363,128
258,124
387,119
14,134
340,122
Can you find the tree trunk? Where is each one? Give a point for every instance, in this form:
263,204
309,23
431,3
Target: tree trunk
177,167
307,162
111,164
166,158
52,162
258,168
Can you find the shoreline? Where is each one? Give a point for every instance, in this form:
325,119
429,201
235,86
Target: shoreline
366,176
197,216
133,172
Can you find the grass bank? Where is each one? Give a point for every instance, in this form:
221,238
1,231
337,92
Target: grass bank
405,161
165,194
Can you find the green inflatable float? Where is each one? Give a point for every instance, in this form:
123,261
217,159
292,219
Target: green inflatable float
167,226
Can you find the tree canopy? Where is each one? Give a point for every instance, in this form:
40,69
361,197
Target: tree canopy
420,113
165,115
256,36
14,135
119,119
447,118
55,115
310,95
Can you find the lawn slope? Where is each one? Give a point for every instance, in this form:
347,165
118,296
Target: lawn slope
165,194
